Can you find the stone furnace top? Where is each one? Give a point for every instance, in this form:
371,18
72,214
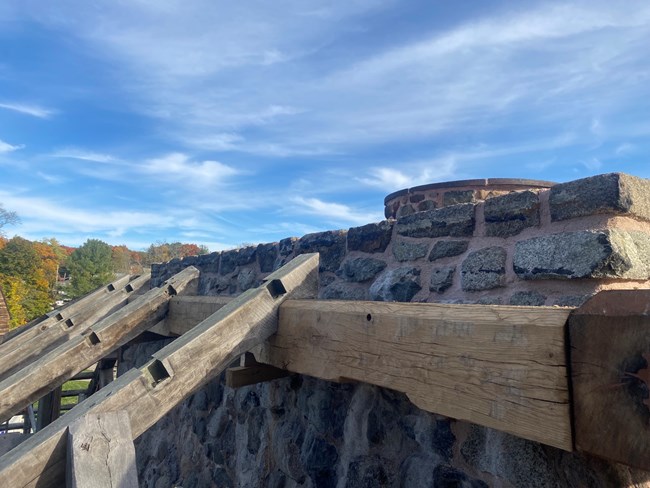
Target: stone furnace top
437,195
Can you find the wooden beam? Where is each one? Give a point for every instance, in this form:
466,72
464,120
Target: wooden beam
187,311
26,348
101,452
38,325
175,372
499,366
49,408
59,365
610,373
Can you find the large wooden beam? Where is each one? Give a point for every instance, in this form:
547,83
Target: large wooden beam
22,351
101,452
610,372
176,371
56,367
499,366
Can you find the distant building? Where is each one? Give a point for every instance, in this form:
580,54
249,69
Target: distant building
4,315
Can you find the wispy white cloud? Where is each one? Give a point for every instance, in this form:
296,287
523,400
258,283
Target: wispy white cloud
391,179
333,212
5,147
27,109
84,155
178,167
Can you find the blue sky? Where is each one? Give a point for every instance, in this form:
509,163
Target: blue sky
219,123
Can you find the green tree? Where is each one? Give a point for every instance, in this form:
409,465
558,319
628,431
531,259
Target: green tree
90,267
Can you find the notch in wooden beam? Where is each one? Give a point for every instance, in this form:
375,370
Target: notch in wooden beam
276,288
157,372
93,339
129,288
110,287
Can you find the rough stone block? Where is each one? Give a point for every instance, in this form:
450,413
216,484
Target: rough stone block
228,261
246,255
456,221
509,214
484,269
330,245
266,256
613,193
572,300
426,205
532,298
396,285
417,197
455,197
405,210
362,269
246,279
584,254
344,291
209,263
446,249
441,279
286,246
409,251
370,237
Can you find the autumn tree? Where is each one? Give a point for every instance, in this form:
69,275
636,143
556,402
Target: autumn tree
90,266
163,251
24,281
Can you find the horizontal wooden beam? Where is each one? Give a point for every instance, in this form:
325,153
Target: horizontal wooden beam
499,366
22,350
57,366
175,372
610,373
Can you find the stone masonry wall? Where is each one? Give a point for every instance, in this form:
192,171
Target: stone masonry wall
543,246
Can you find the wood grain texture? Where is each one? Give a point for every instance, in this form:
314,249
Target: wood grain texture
498,366
22,351
610,349
101,452
56,367
148,393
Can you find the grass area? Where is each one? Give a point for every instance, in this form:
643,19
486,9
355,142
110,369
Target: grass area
73,385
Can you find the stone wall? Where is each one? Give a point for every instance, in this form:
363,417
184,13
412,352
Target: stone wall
539,246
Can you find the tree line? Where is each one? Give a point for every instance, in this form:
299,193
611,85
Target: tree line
35,275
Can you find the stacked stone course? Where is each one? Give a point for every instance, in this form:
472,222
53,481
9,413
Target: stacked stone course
559,245
514,243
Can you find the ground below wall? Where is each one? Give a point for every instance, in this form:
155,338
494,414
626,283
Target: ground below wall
303,432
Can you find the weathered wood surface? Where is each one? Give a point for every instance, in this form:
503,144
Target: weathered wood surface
56,367
38,325
499,366
187,311
610,372
176,371
101,452
20,352
49,408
